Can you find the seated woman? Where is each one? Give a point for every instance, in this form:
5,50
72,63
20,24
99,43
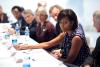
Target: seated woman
3,16
95,57
74,48
45,29
17,13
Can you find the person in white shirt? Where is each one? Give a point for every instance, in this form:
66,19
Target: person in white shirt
53,12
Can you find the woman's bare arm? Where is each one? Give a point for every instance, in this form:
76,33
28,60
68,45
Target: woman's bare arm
48,44
75,48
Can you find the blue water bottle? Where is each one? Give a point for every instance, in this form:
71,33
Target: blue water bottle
14,40
26,31
26,62
17,29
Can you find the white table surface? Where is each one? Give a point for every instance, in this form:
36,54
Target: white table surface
38,57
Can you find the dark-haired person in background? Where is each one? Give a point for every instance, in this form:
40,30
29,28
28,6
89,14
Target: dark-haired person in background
3,16
53,12
74,48
94,59
17,12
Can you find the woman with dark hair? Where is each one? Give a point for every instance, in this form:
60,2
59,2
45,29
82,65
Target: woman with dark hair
17,13
74,48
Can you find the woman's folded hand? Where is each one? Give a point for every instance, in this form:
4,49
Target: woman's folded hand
56,53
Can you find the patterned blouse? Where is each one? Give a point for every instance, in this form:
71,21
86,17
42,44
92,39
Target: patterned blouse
66,46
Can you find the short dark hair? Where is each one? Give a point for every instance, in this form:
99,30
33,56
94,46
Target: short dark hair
70,14
20,9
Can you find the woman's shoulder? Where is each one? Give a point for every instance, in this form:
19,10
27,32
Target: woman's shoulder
98,38
79,32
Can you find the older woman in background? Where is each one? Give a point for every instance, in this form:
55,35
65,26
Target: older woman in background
45,30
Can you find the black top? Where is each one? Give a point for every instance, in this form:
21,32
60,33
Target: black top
32,29
5,19
84,51
58,29
96,52
95,56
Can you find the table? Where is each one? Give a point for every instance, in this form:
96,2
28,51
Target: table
9,56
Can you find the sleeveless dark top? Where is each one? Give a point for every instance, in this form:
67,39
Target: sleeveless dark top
66,45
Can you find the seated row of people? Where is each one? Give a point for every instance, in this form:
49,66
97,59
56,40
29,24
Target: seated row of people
65,31
41,30
73,46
